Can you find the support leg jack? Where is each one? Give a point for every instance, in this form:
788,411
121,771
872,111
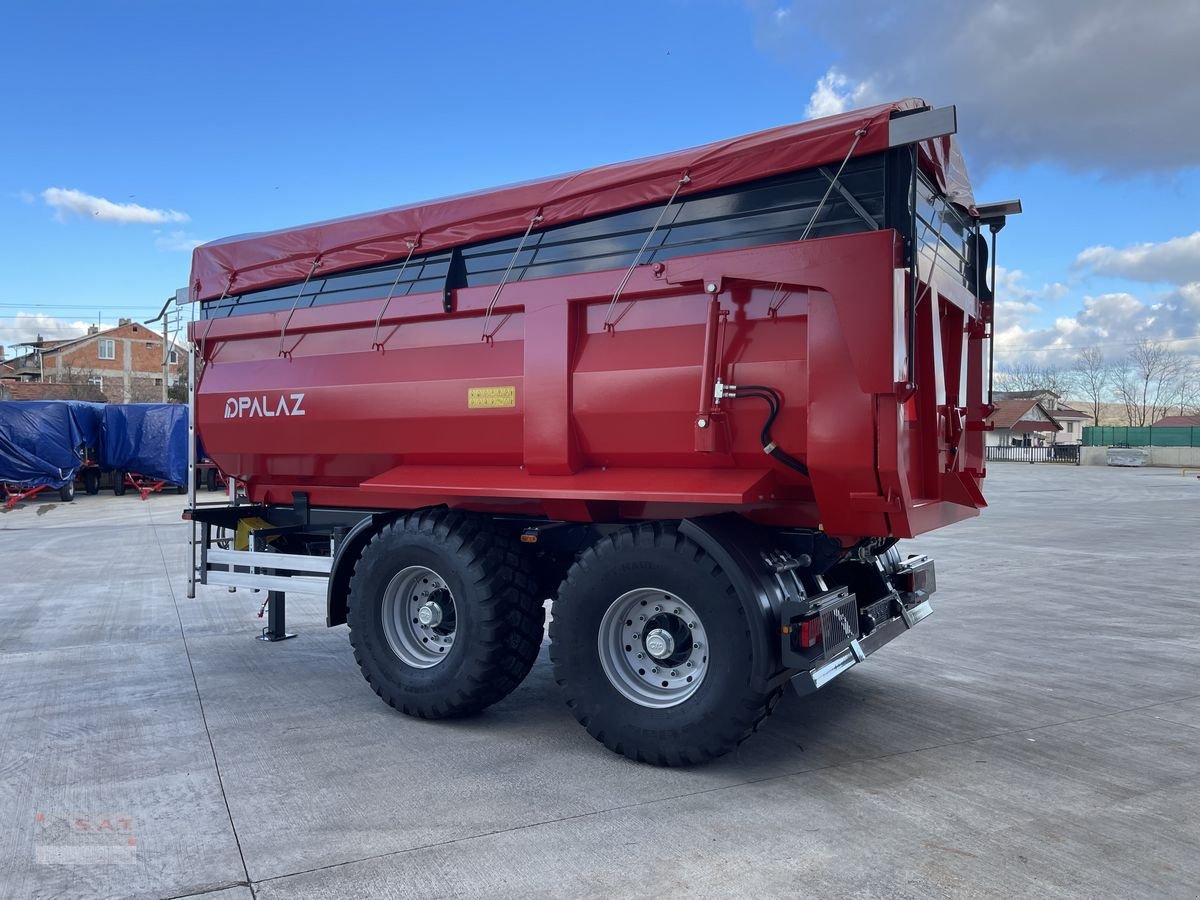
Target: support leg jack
276,629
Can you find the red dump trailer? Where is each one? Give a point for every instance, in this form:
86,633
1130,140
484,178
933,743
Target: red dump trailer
694,399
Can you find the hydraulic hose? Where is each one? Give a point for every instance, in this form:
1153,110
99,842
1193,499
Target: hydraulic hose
775,402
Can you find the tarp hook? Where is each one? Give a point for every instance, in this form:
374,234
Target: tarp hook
412,247
287,354
487,336
858,136
216,309
685,178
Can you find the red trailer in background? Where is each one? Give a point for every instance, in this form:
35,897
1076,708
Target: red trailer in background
695,399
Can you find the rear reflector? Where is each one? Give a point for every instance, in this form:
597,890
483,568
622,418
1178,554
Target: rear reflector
810,633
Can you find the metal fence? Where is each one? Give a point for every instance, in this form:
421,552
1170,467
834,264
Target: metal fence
1063,454
1113,436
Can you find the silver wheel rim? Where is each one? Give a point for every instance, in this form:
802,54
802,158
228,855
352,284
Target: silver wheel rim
419,617
647,619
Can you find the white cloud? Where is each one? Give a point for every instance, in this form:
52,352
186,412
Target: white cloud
1176,261
177,240
69,202
1112,322
26,326
1088,85
1016,298
835,93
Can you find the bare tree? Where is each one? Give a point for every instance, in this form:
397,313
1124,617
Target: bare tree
1093,379
1033,377
144,390
1188,394
1125,388
81,387
1148,384
177,392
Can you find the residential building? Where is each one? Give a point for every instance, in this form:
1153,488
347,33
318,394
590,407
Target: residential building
1072,420
124,363
1021,422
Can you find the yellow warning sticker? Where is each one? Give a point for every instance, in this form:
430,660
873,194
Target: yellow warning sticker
492,397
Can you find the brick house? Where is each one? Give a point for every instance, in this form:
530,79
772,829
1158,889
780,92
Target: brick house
124,363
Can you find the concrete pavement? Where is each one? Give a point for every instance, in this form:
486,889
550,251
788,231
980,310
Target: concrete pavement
1036,737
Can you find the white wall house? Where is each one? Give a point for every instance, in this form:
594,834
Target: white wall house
1070,419
1021,422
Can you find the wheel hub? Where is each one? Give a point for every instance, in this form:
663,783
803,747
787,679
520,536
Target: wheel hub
653,647
419,616
429,614
659,643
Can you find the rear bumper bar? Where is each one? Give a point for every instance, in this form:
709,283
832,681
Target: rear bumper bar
860,648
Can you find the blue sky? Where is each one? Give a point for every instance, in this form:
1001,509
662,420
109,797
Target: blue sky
222,118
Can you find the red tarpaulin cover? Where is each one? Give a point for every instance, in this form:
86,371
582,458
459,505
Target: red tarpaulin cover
255,261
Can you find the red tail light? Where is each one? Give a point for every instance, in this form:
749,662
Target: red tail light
810,633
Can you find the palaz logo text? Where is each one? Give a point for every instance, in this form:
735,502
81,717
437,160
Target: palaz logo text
264,407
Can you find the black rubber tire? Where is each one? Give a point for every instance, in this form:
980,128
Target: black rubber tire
118,483
210,480
91,482
66,493
500,621
181,488
730,703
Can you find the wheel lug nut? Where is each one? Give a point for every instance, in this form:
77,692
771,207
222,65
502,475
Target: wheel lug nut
655,670
673,673
635,636
691,625
640,656
689,664
677,610
658,609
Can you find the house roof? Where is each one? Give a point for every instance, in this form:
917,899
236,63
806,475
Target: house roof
41,390
45,344
53,346
1065,412
1024,395
20,362
1009,412
1178,422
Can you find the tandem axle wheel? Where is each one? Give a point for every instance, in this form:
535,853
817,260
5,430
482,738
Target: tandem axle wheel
652,646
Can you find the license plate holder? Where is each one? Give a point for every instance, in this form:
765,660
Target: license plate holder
839,624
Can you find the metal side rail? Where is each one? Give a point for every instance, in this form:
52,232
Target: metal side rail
860,648
279,574
244,568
